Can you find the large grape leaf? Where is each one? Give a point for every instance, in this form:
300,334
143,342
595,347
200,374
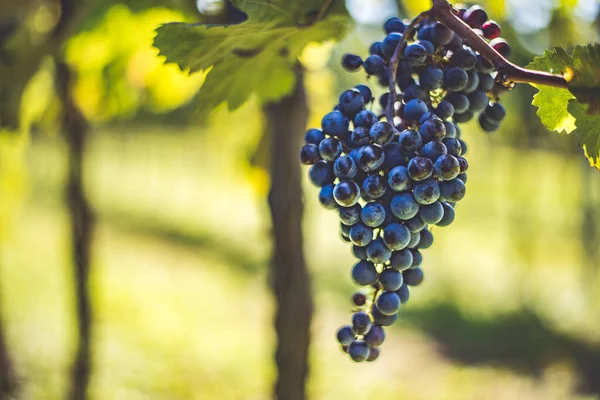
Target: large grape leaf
573,110
255,56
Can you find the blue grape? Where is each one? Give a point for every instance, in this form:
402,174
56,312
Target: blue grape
426,236
351,62
346,193
459,101
453,190
359,252
449,215
455,44
373,65
359,298
345,335
350,215
398,179
414,92
441,34
424,33
495,112
429,47
373,354
396,236
414,109
359,350
382,319
366,93
345,232
361,322
375,49
413,277
351,102
361,235
420,168
487,125
309,154
431,78
427,191
321,173
415,224
394,157
403,206
365,118
417,258
375,337
382,133
403,293
415,238
314,136
473,82
401,260
374,186
330,149
464,59
345,167
432,213
444,110
360,136
334,123
388,303
486,82
463,147
455,80
478,101
372,214
433,150
462,177
463,118
383,100
404,81
446,167
378,252
390,279
326,197
410,140
482,65
415,54
432,129
450,130
452,146
364,273
394,24
389,43
370,158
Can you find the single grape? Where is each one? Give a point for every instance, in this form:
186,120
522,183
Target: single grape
432,213
446,167
396,236
360,136
415,224
413,277
388,303
482,65
478,101
334,123
382,133
314,136
373,354
453,190
374,185
459,101
366,93
361,323
359,350
414,92
404,81
432,151
375,336
378,252
431,78
491,29
420,168
463,146
345,335
501,46
351,62
464,58
364,273
410,140
389,43
359,299
414,109
463,118
346,193
453,146
426,237
383,100
415,238
495,112
382,319
373,65
401,260
429,47
370,158
361,235
321,173
345,167
375,49
455,80
417,258
464,164
449,215
462,177
403,293
394,24
475,17
351,102
372,214
487,125
326,197
444,110
415,54
398,179
390,279
309,154
359,252
450,130
424,33
472,83
432,129
350,215
455,44
403,206
394,157
427,191
441,35
486,82
345,232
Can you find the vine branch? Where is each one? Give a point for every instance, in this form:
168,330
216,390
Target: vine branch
508,72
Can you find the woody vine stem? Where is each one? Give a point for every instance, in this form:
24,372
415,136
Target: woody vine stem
508,73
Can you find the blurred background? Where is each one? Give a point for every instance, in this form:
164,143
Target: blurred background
180,249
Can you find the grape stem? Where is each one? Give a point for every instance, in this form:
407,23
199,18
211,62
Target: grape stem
408,32
508,72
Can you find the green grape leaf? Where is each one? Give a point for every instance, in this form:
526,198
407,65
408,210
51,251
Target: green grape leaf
256,56
588,131
552,102
573,110
584,76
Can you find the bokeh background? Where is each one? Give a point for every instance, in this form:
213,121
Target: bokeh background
510,307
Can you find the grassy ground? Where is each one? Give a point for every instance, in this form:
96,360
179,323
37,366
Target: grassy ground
181,303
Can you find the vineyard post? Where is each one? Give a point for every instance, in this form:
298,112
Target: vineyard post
286,122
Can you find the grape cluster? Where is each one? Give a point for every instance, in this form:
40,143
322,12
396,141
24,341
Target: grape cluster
390,181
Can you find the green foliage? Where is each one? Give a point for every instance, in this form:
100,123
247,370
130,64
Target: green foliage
256,56
573,110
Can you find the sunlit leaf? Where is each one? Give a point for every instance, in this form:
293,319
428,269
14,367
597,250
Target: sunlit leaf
588,131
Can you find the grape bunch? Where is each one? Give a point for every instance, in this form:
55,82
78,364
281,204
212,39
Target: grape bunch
391,181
